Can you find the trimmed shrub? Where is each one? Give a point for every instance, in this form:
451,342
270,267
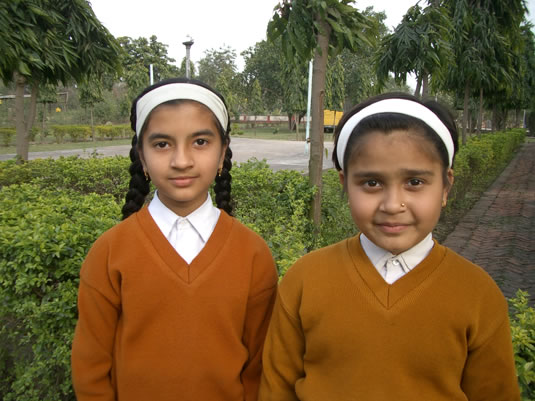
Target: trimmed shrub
107,175
7,135
523,333
45,237
113,131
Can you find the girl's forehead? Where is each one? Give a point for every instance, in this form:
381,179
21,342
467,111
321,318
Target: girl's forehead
386,146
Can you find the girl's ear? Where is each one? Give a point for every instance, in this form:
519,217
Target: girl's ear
448,186
222,157
341,177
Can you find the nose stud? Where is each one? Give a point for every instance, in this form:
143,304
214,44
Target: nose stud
402,205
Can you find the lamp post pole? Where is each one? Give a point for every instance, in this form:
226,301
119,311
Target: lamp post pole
188,43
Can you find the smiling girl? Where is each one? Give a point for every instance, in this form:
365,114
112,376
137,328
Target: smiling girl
390,314
174,301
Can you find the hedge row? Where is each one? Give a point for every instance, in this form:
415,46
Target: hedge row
52,211
75,133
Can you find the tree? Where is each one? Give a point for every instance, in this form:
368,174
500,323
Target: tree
311,29
91,94
136,58
215,63
418,45
47,95
483,43
255,104
360,73
263,63
50,41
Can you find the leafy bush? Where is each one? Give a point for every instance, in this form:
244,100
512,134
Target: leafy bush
75,132
113,131
479,162
92,175
7,135
523,332
45,237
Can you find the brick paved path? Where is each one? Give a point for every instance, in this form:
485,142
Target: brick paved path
499,232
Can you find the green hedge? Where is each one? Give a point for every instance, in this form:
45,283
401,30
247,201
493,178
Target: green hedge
45,237
52,211
478,163
74,133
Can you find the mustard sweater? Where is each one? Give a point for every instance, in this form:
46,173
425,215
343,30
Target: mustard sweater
152,328
340,332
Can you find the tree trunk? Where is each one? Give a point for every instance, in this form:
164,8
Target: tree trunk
296,116
22,139
418,86
425,85
23,127
315,164
480,112
465,111
43,122
494,119
92,126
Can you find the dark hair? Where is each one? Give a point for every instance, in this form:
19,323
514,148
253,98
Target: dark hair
139,186
387,122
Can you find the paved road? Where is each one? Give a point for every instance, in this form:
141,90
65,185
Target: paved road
499,232
289,155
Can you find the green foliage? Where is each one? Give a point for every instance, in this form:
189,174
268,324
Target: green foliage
53,41
523,333
45,237
275,205
296,22
6,135
103,176
479,162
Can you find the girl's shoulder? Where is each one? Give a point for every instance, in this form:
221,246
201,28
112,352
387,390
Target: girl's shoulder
322,263
123,232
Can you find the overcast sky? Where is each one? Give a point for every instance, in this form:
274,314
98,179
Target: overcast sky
213,23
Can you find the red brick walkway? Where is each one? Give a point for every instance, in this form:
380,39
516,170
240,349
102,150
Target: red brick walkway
498,234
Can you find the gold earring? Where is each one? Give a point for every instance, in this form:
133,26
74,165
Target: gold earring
443,202
146,175
219,170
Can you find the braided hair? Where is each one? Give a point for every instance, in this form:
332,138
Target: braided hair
139,186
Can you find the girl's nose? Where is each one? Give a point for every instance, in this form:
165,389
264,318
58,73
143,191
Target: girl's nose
181,158
392,202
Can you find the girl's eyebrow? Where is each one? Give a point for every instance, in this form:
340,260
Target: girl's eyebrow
407,172
159,135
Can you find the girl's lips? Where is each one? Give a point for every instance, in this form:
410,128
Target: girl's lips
392,228
182,181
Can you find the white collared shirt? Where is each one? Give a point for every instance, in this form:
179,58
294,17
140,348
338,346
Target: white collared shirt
188,234
392,267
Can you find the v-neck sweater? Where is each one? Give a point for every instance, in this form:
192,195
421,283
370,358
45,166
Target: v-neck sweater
340,332
152,327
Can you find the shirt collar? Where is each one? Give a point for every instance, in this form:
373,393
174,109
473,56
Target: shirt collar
203,219
409,259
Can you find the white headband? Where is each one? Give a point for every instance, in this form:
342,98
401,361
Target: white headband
400,106
177,91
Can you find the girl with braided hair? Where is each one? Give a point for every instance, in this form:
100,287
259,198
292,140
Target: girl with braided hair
174,301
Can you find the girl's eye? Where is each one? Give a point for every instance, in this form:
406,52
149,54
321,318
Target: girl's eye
371,183
200,142
160,145
414,182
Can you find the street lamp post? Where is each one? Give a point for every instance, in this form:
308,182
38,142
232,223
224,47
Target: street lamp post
188,43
